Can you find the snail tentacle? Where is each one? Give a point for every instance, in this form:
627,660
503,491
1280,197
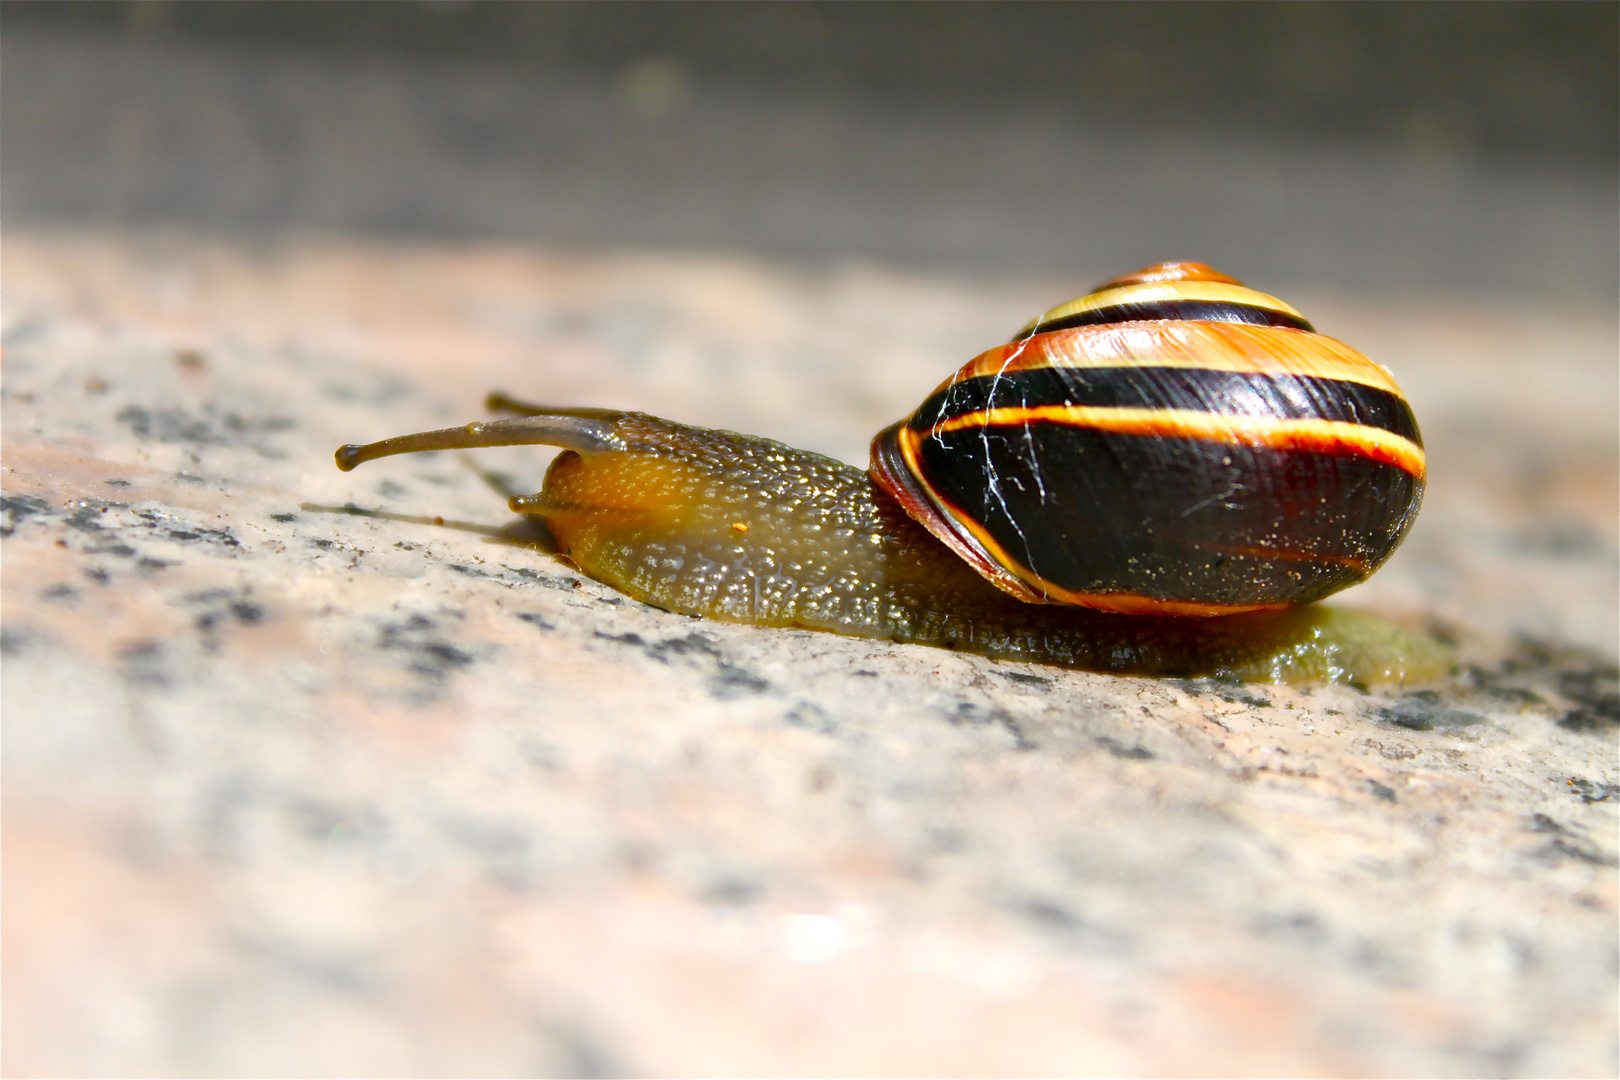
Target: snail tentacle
587,435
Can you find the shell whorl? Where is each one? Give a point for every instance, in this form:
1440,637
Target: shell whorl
1172,443
1168,291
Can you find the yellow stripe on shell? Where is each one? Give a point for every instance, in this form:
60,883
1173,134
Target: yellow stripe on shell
1319,436
1235,347
1156,292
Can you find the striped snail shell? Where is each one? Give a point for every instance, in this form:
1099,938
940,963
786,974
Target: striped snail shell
1173,443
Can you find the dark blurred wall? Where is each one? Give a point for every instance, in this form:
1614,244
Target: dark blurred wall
1485,78
1376,145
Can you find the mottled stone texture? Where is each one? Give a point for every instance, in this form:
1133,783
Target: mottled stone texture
294,791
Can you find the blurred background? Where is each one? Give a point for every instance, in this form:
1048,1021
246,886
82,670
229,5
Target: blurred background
1380,147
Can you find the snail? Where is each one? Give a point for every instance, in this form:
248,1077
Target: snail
1158,478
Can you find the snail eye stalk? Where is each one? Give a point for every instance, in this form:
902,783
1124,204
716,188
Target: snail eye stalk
584,434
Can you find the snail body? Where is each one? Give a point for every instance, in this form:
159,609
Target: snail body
733,527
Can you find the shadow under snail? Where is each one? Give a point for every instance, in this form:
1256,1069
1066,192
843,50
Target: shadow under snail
1159,478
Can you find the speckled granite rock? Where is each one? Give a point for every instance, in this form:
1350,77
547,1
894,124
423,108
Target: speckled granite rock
294,791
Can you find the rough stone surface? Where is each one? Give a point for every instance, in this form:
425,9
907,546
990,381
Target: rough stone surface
295,791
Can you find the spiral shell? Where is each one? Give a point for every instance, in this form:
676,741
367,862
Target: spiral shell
1172,443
